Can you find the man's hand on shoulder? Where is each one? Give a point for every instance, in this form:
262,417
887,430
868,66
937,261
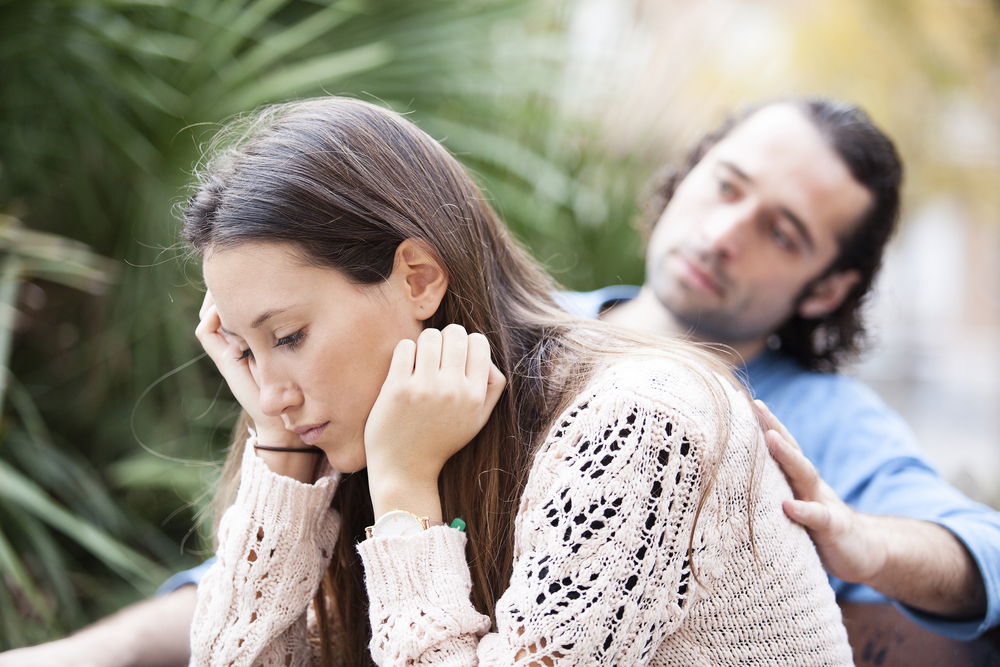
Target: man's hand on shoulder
917,563
848,542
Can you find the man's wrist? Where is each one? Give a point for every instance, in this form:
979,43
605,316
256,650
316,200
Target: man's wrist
875,535
926,568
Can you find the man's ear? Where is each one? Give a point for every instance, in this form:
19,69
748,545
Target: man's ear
420,276
827,295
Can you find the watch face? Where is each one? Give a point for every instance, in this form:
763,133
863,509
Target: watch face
397,523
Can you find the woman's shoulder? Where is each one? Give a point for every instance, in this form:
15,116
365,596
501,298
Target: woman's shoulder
659,378
693,397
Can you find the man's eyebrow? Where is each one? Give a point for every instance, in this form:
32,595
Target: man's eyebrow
736,170
787,214
799,225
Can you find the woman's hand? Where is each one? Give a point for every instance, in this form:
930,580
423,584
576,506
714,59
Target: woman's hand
437,396
225,352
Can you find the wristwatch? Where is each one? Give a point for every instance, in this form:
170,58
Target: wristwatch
400,523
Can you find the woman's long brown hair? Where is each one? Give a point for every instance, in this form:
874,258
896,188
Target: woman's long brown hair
347,182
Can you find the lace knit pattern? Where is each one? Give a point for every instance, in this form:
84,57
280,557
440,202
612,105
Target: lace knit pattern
275,542
601,573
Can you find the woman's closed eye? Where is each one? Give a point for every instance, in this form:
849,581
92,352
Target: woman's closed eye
291,340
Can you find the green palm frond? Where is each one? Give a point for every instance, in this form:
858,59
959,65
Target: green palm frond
104,107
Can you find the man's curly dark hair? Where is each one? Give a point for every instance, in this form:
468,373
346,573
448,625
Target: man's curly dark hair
824,343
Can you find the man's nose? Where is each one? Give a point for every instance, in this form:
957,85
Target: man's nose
727,232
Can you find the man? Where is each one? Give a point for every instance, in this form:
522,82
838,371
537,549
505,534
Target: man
769,237
767,241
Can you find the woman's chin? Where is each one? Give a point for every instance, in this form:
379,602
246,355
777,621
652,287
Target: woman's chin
346,459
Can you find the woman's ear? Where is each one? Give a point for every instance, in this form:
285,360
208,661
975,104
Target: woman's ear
420,276
827,295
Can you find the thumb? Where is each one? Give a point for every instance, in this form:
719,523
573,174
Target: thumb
810,515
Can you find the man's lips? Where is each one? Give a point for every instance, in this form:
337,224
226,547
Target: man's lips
699,276
311,433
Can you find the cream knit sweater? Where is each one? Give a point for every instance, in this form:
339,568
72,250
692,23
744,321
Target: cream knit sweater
601,574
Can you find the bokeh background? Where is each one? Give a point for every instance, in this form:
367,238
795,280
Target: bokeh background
111,422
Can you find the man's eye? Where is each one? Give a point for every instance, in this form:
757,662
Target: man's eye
781,238
291,340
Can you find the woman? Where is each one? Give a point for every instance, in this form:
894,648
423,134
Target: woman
401,363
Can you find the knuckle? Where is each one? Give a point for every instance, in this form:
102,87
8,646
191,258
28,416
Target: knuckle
449,395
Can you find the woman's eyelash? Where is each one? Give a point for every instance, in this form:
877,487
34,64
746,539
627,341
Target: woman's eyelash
291,340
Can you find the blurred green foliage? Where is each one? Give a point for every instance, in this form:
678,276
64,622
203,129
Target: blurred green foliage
110,418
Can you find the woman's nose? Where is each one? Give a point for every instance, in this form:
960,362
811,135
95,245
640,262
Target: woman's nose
277,394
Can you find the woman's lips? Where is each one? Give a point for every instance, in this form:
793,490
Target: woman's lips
311,434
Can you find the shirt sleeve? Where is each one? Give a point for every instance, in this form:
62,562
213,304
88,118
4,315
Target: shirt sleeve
275,542
184,578
600,572
908,486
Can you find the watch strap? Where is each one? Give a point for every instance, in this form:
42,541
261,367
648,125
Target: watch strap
425,522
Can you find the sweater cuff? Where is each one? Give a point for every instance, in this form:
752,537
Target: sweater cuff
263,490
430,566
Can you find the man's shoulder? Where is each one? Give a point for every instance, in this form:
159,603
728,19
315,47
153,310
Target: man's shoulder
831,414
777,378
591,304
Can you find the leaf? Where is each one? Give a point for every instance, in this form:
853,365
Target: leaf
308,76
23,492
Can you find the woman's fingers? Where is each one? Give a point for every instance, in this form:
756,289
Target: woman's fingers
477,361
495,386
401,365
428,359
206,303
450,357
454,349
208,334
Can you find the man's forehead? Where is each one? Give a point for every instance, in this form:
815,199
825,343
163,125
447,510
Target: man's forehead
778,135
788,160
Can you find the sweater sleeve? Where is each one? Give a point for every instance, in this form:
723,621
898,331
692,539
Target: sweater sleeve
275,542
600,573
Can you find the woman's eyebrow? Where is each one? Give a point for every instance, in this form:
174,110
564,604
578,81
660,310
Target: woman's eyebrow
265,316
